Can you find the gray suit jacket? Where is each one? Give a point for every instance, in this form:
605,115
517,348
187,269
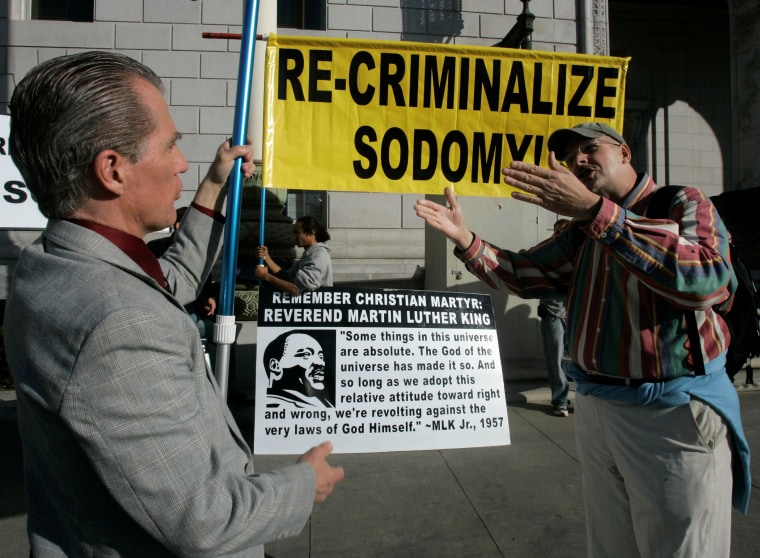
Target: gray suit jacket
128,447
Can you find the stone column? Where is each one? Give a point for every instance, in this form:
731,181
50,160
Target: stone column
745,56
593,27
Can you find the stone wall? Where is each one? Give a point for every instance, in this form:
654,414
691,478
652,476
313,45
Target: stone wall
200,76
745,56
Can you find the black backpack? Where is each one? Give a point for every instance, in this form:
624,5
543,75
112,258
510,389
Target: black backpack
742,318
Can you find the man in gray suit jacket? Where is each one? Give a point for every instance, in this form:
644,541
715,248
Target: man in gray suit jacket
129,449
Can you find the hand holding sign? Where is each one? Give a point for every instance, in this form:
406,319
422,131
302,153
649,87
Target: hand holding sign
327,475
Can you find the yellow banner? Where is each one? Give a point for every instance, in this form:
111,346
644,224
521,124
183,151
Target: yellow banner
383,116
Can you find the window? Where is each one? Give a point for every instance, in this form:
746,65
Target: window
66,10
301,14
310,203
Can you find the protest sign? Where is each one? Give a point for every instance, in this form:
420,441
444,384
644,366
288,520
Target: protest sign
405,117
377,370
17,208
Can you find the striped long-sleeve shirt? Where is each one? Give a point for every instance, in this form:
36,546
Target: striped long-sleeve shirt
628,280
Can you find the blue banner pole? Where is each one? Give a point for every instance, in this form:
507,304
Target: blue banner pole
224,327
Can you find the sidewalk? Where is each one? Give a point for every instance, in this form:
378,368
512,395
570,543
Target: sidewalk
522,500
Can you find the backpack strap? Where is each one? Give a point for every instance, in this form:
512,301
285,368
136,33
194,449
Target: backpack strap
658,208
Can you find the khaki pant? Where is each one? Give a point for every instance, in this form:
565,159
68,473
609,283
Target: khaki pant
656,480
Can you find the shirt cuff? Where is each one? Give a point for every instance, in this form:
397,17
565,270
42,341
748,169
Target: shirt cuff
603,225
475,248
209,212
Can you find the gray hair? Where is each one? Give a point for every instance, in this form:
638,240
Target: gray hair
67,110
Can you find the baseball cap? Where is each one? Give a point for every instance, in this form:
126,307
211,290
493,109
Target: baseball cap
561,139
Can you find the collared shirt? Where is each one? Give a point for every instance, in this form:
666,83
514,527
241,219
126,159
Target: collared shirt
628,279
131,245
135,247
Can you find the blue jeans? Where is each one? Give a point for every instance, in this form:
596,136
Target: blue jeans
553,331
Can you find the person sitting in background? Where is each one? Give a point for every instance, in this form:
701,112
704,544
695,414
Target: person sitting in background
312,271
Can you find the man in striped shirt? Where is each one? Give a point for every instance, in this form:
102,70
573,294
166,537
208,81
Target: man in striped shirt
661,446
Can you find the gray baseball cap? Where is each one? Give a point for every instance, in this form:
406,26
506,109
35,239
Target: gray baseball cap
561,140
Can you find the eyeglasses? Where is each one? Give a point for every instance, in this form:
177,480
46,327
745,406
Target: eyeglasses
586,148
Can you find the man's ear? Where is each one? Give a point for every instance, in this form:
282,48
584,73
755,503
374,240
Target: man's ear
626,153
109,170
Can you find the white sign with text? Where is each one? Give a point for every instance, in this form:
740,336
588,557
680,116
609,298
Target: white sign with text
17,208
377,370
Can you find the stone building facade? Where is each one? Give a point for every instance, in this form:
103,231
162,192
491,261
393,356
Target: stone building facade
692,107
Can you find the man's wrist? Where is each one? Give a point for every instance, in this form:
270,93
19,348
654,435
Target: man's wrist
591,213
211,195
465,241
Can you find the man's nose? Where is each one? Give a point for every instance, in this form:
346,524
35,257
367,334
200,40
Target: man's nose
577,157
183,164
